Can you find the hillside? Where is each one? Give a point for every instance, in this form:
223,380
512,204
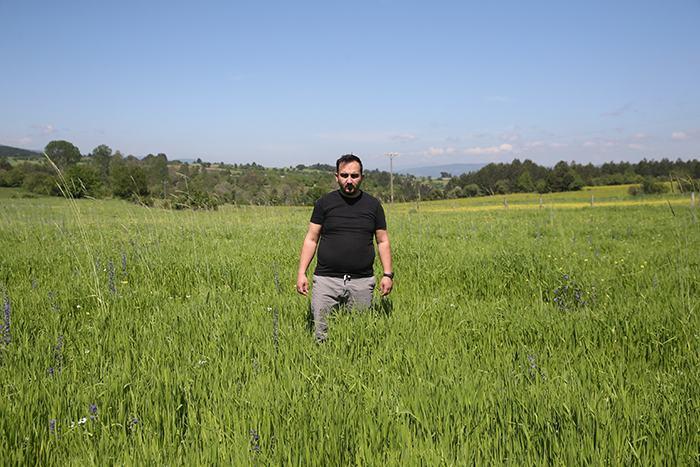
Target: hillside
17,153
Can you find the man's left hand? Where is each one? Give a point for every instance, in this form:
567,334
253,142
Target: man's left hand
385,286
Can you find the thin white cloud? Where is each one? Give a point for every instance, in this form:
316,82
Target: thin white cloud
600,145
558,145
454,139
17,143
639,135
405,138
685,135
439,151
510,137
478,135
488,151
680,136
431,153
639,147
45,129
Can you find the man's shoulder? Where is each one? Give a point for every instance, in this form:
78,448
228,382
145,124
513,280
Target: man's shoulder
370,202
332,196
370,198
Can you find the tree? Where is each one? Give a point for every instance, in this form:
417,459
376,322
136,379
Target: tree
557,179
314,195
12,178
101,157
653,187
41,182
576,183
62,153
156,168
471,190
525,184
129,180
82,180
5,164
435,194
503,187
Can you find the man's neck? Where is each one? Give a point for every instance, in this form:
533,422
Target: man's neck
359,192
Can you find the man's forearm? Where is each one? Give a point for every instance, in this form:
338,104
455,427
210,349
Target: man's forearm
385,256
308,250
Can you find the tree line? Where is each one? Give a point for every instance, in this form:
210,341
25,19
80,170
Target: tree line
174,184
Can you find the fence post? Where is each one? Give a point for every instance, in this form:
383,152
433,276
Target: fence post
591,200
540,200
505,201
692,200
453,205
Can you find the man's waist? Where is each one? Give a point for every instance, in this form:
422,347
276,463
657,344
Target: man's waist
343,275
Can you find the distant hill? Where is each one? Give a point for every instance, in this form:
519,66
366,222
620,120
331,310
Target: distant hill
9,151
436,170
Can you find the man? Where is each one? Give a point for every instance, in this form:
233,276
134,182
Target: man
344,225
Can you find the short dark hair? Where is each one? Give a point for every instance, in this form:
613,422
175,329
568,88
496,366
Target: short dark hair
346,159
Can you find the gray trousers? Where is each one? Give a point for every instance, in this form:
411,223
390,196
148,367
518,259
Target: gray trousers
329,293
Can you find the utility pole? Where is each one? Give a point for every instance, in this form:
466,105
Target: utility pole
391,156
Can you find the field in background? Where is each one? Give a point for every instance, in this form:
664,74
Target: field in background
566,335
616,195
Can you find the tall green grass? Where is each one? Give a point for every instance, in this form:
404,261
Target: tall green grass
560,336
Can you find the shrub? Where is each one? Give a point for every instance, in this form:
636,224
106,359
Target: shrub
653,187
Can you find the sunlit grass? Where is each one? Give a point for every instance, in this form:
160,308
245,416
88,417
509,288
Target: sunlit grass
613,196
567,335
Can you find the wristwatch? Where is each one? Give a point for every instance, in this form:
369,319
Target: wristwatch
390,275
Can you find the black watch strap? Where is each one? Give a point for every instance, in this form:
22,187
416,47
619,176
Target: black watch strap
390,275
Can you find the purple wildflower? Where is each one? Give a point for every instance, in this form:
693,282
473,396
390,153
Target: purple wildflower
110,272
52,427
93,413
57,352
254,443
277,279
53,305
533,361
570,296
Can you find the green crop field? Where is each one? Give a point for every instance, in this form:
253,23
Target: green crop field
560,335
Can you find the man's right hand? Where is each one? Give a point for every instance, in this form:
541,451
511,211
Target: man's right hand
302,284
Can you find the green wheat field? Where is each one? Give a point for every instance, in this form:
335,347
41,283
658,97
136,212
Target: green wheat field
557,335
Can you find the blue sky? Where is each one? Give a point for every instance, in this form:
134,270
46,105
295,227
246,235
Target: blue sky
283,83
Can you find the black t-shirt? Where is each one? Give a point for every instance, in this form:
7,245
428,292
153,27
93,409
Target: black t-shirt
347,234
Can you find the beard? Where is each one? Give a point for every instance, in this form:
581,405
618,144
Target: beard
350,189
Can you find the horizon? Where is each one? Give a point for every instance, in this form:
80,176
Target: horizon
404,171
438,83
